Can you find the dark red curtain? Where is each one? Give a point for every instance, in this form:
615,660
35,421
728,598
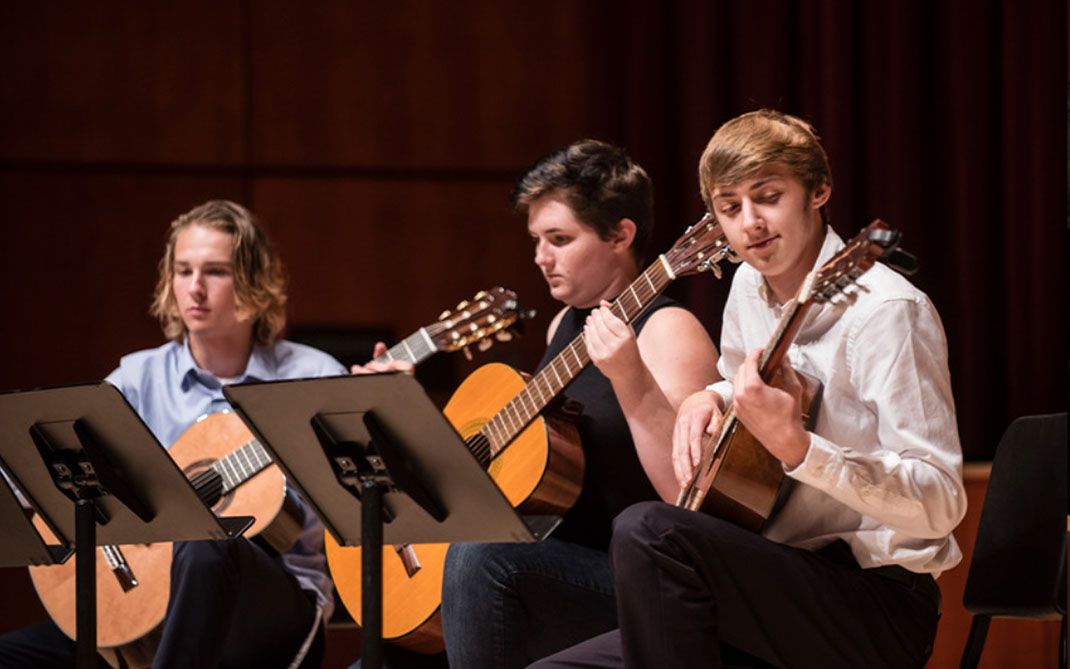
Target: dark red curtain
381,140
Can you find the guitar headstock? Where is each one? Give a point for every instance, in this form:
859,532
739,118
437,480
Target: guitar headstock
702,247
874,242
490,314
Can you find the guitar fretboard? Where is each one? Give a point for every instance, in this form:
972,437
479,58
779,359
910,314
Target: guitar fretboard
241,464
500,430
414,349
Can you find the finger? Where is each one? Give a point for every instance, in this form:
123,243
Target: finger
379,350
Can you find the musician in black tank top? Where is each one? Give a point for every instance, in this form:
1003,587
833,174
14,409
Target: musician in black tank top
589,210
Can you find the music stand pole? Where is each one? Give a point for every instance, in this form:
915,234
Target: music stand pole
85,548
371,639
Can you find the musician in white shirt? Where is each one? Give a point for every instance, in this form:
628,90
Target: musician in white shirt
843,575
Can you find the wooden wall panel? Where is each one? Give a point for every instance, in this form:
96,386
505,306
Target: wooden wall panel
444,85
78,267
397,253
122,81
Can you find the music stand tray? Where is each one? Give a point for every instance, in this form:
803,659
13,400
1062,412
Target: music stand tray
96,475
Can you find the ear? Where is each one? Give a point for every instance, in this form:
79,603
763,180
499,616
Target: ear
821,195
623,236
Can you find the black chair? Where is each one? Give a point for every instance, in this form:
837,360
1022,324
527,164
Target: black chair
1018,568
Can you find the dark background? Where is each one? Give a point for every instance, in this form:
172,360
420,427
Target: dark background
379,144
379,141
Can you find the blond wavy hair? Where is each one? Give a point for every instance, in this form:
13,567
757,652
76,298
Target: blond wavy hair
259,280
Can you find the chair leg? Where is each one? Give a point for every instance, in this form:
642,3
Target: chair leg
971,655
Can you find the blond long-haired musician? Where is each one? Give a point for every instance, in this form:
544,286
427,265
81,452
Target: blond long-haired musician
221,301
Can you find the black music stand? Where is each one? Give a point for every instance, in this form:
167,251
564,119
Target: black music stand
85,447
22,545
377,461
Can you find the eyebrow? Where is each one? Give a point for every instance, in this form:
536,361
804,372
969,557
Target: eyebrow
755,186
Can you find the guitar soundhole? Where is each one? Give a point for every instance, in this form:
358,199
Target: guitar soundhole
199,466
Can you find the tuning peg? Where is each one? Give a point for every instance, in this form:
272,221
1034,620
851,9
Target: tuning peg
503,335
480,295
467,353
444,315
484,344
462,305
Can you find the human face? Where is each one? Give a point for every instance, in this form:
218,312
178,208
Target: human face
580,267
774,225
203,283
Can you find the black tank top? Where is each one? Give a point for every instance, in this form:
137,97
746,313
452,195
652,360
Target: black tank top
613,478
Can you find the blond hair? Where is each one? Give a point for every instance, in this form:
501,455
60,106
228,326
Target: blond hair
747,143
259,280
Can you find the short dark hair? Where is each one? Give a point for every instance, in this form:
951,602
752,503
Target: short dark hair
600,183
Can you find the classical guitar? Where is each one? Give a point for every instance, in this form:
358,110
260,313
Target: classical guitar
232,472
737,479
535,459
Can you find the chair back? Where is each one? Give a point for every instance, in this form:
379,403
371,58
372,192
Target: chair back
1019,560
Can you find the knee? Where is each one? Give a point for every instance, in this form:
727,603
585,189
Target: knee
475,569
191,558
641,525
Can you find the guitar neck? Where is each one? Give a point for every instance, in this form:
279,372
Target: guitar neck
785,333
241,464
566,365
414,349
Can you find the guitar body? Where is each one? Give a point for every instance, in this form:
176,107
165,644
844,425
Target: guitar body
749,484
540,472
130,622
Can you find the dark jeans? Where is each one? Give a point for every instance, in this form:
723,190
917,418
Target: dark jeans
689,585
232,605
505,605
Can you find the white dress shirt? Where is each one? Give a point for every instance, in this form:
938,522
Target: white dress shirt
884,468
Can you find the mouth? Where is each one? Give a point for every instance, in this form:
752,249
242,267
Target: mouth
764,244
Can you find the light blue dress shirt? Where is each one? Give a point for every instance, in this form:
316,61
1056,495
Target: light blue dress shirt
170,392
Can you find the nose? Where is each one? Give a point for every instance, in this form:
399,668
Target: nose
196,285
752,219
543,257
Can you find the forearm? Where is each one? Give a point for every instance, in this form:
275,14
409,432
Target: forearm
650,416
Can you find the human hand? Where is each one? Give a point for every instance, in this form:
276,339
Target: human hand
375,366
772,413
611,344
699,415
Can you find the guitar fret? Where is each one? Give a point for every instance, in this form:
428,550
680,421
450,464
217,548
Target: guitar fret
430,343
649,282
405,343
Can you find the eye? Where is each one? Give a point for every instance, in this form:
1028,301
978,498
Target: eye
729,208
771,197
183,271
560,240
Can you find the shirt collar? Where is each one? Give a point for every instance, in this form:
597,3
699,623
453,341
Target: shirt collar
261,367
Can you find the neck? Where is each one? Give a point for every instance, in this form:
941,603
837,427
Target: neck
225,356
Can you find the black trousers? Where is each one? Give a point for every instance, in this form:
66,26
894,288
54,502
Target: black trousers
233,604
693,591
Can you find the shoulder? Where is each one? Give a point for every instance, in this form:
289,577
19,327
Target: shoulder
293,360
670,319
137,363
886,304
